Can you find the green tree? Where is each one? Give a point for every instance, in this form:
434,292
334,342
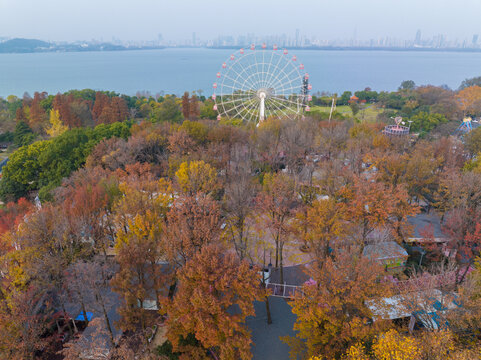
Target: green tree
46,163
167,110
23,135
344,99
425,122
23,171
207,110
476,81
407,85
354,108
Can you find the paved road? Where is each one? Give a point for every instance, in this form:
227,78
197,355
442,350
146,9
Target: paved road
267,345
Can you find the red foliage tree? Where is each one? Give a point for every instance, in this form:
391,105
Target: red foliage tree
186,105
13,214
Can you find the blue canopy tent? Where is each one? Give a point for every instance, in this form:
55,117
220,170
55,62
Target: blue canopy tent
81,316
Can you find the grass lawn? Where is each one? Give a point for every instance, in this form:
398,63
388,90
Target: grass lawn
369,113
4,154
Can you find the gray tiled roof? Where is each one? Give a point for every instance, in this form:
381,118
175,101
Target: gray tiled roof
423,221
384,250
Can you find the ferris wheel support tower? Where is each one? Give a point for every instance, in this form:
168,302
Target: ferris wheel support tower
262,106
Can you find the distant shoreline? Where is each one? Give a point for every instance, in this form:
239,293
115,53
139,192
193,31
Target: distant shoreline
29,46
365,48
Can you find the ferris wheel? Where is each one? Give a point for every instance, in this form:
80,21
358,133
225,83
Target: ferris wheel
254,84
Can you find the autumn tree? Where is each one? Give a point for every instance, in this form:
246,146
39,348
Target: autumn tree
22,324
297,139
238,200
197,177
192,223
181,143
56,127
101,101
464,240
37,112
460,191
143,272
13,214
115,110
368,205
86,209
267,143
473,141
32,268
89,282
323,223
186,105
394,346
470,100
194,106
469,320
432,345
332,314
215,295
276,205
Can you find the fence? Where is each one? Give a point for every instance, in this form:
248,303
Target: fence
285,291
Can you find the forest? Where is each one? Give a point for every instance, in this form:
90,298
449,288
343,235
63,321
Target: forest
141,227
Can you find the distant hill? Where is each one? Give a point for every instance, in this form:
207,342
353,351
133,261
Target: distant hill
23,46
33,45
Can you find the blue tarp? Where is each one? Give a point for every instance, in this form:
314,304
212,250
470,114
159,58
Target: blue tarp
81,317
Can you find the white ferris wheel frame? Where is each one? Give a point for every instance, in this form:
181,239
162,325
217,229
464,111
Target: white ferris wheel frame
254,84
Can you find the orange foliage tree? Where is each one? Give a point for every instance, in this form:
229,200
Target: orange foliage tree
215,295
332,313
470,100
374,205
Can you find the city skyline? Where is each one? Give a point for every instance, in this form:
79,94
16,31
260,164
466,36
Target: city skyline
56,20
298,40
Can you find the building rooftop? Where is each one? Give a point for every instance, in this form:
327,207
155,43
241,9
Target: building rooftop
293,275
426,222
384,250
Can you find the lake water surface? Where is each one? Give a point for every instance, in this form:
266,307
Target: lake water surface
179,70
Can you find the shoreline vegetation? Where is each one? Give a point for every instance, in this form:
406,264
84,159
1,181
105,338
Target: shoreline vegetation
27,46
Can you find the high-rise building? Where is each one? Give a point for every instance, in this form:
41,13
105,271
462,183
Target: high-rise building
417,40
194,40
475,40
298,40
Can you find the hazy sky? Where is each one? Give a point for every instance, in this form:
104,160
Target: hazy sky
177,19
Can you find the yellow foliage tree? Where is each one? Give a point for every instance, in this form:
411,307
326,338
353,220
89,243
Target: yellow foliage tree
196,177
357,352
470,99
394,346
438,345
56,126
142,277
320,225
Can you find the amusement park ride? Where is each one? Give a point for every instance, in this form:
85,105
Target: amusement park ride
466,126
397,130
254,84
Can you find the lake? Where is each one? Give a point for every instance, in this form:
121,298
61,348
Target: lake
179,70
